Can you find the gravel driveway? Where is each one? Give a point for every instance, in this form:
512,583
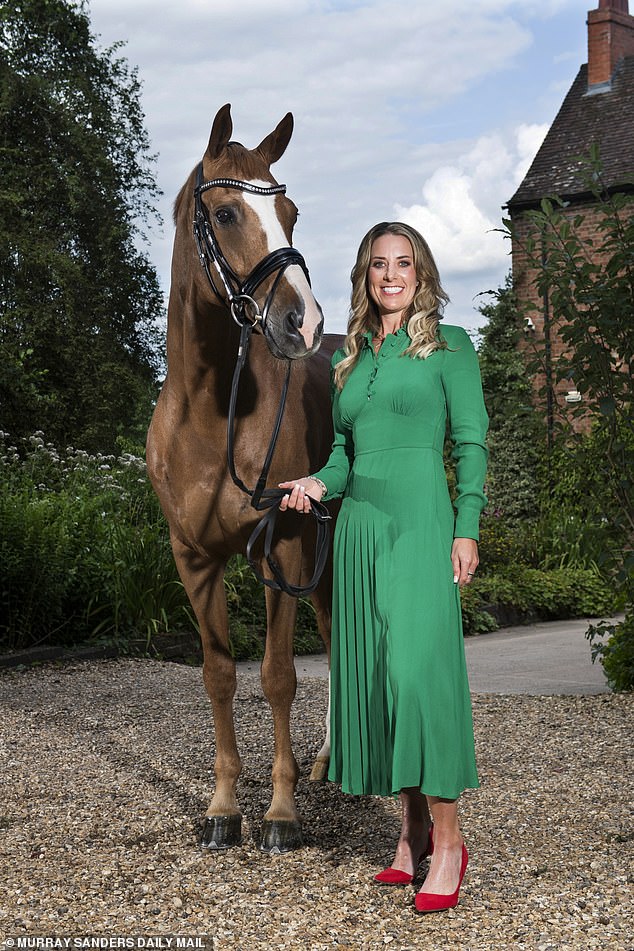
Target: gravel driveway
106,775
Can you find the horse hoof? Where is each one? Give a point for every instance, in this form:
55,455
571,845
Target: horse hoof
278,836
319,771
221,832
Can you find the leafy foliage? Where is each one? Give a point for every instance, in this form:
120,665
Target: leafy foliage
86,558
73,531
475,617
580,519
586,273
589,283
245,601
548,594
617,653
80,302
514,427
528,594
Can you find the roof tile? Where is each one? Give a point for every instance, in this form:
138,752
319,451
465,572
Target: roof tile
605,115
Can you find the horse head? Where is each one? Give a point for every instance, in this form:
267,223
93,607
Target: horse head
243,224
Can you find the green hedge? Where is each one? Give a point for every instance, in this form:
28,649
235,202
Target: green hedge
535,594
86,558
84,550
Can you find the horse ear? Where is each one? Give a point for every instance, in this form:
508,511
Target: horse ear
274,145
220,131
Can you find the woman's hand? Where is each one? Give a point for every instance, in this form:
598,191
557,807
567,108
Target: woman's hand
465,560
300,490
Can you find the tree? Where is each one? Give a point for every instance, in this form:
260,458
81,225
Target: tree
514,427
590,286
587,275
80,303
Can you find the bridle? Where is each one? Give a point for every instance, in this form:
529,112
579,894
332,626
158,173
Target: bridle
238,297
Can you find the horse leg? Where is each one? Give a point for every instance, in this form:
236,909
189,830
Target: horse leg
281,828
319,771
204,583
322,602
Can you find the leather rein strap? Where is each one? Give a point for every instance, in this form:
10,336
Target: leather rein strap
245,311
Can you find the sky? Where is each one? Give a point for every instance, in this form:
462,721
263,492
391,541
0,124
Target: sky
422,111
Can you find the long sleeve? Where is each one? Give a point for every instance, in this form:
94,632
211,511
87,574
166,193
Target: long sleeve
337,470
468,424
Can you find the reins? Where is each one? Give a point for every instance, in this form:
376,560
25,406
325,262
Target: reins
246,313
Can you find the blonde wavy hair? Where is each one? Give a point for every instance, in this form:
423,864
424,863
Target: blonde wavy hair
423,314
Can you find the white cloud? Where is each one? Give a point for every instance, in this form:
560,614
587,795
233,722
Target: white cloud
461,207
454,225
460,213
529,139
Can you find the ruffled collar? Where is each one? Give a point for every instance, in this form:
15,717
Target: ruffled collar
368,335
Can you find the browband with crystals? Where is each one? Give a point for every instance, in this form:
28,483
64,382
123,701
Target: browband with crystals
243,186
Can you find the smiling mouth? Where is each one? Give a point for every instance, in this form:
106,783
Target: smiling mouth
391,290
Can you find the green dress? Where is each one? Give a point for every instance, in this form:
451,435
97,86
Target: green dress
400,702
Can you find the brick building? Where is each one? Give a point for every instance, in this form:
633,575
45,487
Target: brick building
598,109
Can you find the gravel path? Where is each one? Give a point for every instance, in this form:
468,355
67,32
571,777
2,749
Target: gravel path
106,774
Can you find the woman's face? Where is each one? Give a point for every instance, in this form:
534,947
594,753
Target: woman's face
391,275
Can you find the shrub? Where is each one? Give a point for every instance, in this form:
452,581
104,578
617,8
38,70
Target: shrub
36,551
617,653
550,594
86,557
74,530
500,543
140,593
475,620
580,518
534,593
247,615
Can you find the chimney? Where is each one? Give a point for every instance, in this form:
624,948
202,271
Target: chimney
610,38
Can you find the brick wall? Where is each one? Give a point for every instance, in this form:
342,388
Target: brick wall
524,276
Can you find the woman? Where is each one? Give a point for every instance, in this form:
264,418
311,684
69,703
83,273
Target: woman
401,709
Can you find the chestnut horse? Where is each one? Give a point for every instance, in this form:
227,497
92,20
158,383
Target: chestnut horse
235,201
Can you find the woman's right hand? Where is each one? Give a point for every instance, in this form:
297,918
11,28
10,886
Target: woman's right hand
297,496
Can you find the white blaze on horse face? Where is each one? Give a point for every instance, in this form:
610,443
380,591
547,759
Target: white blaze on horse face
264,208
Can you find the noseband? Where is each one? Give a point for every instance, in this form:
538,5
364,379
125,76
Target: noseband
238,296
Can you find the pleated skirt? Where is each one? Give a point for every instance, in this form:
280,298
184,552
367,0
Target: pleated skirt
400,703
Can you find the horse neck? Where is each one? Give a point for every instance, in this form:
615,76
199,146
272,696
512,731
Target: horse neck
202,351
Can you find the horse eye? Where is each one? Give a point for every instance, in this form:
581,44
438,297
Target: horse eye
224,216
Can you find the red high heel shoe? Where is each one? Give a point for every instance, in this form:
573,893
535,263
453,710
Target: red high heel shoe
394,876
426,901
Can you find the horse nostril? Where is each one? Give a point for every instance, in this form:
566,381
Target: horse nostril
294,321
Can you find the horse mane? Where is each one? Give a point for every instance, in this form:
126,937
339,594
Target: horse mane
246,165
180,198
